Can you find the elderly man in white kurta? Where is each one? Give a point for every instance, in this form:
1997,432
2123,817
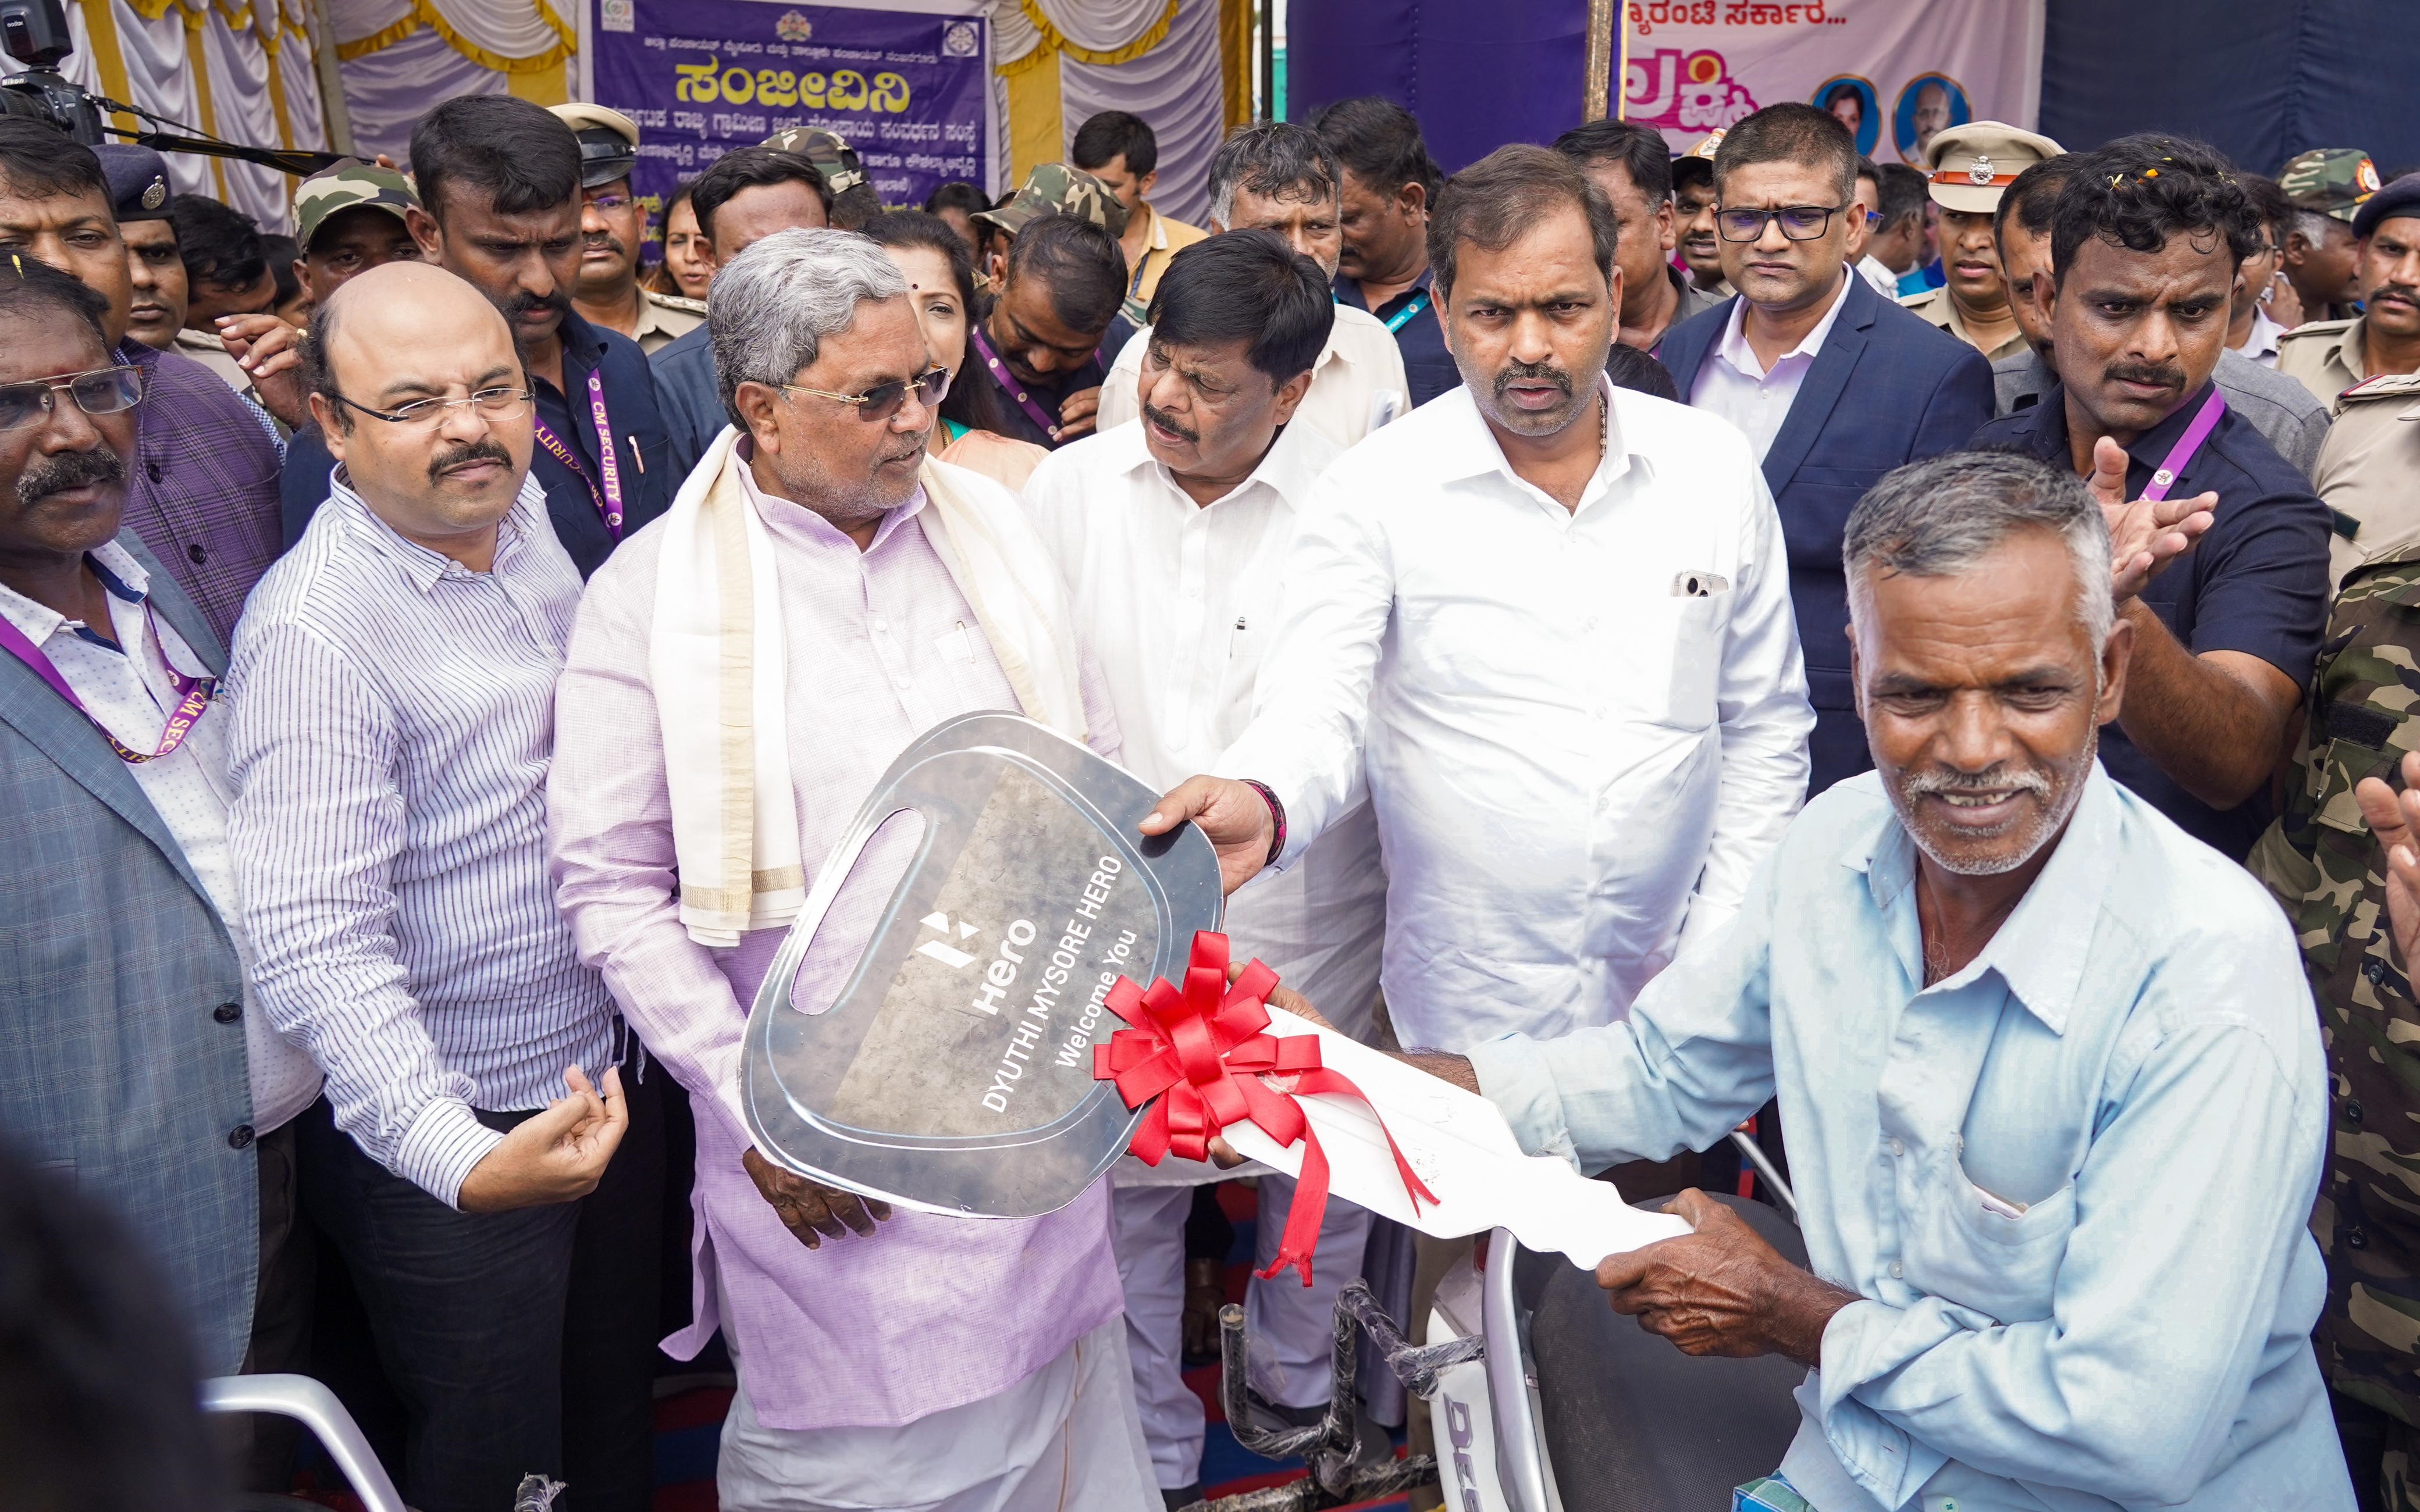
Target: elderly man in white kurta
1173,530
943,1365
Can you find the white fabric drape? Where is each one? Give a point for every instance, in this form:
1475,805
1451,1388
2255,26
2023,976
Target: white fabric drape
1100,25
1013,34
393,87
1178,88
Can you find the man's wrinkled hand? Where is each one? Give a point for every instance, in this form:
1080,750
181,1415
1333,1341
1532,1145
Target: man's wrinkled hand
1721,1289
2145,536
2395,818
268,349
810,1210
1232,815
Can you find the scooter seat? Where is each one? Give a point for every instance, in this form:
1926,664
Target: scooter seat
1631,1424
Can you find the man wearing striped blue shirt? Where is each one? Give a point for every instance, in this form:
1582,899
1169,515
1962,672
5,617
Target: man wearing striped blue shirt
393,689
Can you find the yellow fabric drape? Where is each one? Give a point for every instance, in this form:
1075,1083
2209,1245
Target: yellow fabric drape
1151,36
270,43
197,57
1036,125
423,14
1235,59
100,29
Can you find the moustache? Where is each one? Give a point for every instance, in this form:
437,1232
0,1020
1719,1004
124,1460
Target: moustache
526,303
1939,779
1162,418
1531,373
2164,374
607,240
2395,291
62,470
469,452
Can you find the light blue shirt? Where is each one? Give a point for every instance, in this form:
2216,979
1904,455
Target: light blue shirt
2069,1182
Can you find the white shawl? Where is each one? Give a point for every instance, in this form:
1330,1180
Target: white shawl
717,658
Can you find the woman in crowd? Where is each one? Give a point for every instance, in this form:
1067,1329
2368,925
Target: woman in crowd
942,277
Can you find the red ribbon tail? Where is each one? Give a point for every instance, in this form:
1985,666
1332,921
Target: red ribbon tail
1301,1237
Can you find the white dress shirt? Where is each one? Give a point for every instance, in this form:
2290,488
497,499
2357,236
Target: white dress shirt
128,688
395,721
1357,386
1572,754
2261,345
1180,602
1743,391
1876,271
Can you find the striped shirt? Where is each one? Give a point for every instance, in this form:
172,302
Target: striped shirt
393,724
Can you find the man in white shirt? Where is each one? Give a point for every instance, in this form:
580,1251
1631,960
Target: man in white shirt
1273,175
1550,619
1173,533
394,689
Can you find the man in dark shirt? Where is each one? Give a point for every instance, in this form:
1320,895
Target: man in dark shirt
498,182
2145,243
1388,182
1040,344
203,488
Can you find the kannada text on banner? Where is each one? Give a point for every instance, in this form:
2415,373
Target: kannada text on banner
1895,74
908,90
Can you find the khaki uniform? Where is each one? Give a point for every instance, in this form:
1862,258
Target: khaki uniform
2326,355
2369,473
1168,238
1937,308
2326,868
664,319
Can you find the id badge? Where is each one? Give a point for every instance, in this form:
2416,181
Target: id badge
1769,1494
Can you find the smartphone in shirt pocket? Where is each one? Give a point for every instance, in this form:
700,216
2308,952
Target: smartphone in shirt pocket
1694,616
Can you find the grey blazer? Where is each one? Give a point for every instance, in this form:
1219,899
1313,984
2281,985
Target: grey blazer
121,1045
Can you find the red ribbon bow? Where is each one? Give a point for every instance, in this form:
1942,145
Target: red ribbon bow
1203,1055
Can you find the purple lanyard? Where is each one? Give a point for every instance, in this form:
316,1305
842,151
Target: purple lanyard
2181,454
609,503
192,693
1008,380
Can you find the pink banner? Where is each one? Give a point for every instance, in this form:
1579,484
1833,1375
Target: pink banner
1895,72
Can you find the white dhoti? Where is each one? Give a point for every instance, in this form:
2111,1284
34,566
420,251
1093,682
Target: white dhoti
1291,1324
1065,1439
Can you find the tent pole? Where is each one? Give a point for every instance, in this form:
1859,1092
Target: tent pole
1268,111
332,81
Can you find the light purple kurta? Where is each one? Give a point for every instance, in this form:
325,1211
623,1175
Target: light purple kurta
932,1312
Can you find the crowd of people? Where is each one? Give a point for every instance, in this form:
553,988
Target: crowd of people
1917,658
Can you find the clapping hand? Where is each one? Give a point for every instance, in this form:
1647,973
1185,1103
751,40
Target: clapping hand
2145,535
2395,818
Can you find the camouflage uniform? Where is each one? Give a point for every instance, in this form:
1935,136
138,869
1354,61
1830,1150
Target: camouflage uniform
855,201
1055,186
2325,866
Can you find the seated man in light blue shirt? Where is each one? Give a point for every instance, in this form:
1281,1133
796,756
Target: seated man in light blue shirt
2052,1076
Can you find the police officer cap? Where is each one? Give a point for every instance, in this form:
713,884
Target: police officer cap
2401,197
1975,163
609,142
138,180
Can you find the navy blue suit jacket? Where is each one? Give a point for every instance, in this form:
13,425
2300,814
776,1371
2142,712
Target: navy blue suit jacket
1887,389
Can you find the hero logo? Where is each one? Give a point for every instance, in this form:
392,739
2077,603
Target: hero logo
940,949
1458,1429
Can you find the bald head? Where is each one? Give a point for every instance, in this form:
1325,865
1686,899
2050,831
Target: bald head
390,351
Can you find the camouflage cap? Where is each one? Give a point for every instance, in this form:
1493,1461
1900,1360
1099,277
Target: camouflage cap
831,155
1056,186
2332,180
344,186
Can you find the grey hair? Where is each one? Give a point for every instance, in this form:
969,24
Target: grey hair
775,303
1938,517
1272,159
2314,226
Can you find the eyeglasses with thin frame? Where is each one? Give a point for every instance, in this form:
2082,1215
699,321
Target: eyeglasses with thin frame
609,203
1799,223
100,390
883,400
491,404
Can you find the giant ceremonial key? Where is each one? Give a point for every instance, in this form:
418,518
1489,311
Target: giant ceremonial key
954,1071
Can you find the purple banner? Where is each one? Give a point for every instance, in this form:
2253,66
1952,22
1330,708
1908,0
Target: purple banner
909,90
